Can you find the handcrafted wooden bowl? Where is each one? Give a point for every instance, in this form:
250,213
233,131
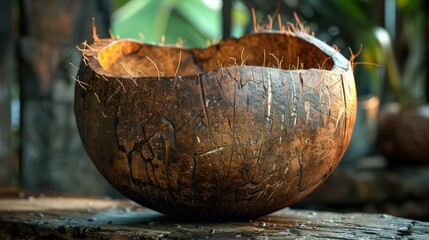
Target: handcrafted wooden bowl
238,129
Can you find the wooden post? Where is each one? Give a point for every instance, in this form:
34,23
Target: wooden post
226,18
6,77
53,157
426,5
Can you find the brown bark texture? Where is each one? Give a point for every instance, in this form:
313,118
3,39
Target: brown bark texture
238,129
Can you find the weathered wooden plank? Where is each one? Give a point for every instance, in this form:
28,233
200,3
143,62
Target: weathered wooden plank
33,217
401,191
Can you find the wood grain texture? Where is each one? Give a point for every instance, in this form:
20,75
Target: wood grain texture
55,217
239,129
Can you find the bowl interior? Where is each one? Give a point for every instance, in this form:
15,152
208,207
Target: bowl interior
282,51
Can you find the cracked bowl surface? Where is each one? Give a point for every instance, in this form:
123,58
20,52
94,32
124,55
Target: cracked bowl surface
235,130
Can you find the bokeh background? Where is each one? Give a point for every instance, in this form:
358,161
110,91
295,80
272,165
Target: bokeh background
40,148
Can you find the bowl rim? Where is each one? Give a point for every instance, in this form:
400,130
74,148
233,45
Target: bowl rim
92,55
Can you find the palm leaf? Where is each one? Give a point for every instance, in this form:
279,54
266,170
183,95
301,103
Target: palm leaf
191,20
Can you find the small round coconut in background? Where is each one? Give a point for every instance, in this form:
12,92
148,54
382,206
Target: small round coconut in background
403,132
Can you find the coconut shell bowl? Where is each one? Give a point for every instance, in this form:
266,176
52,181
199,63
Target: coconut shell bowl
235,130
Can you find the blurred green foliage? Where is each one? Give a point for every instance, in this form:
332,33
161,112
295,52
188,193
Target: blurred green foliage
193,21
401,57
349,25
196,22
